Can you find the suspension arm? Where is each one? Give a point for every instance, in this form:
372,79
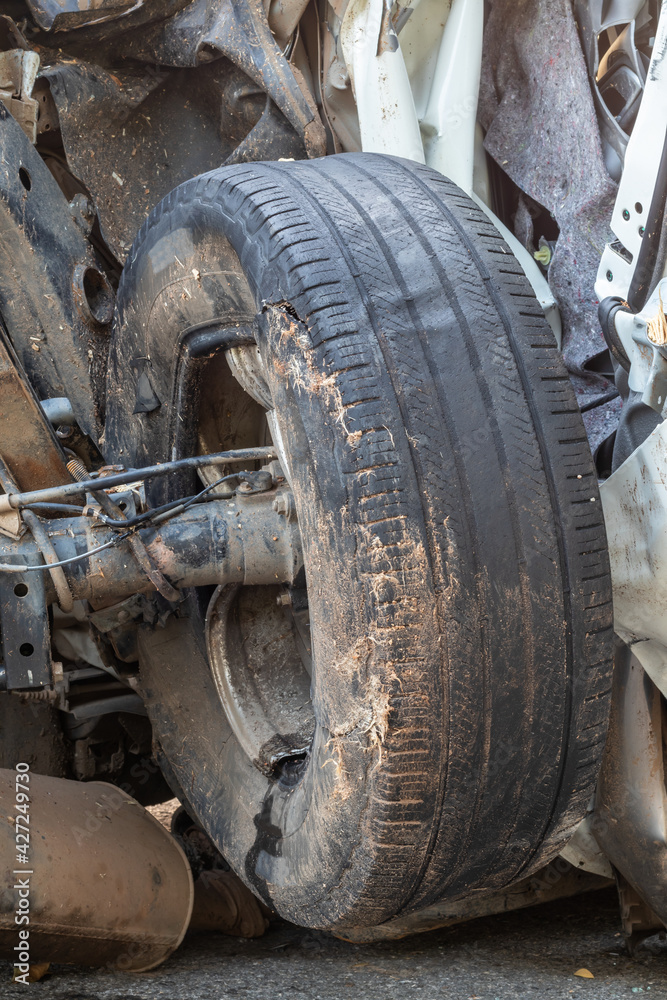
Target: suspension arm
237,540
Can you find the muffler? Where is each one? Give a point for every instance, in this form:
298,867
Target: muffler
87,876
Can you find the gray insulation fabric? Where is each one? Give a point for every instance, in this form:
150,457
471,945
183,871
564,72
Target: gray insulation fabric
537,109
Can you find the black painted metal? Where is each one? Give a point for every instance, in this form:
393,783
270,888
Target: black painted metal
40,248
26,648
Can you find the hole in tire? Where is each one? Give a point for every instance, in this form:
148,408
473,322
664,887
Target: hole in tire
21,589
288,771
26,649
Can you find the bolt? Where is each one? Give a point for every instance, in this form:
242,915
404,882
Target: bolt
626,215
244,488
610,276
280,504
77,470
285,600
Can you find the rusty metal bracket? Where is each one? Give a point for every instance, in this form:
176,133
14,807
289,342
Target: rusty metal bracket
29,448
157,578
11,524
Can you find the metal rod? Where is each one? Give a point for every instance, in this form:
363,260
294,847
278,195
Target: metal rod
13,501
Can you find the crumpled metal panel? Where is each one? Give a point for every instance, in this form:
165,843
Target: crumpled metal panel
98,19
634,501
238,29
132,135
142,111
58,15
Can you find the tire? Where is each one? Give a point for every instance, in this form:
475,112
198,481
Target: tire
454,544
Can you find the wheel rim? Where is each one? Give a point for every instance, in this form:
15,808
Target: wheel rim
258,638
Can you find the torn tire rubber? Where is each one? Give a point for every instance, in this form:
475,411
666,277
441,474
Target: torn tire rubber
453,536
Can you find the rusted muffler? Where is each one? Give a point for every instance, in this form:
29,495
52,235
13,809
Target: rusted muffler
87,876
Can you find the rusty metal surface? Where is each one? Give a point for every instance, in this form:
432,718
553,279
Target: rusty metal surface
28,446
110,886
630,820
136,544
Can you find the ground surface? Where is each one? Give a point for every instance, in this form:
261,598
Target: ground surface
532,954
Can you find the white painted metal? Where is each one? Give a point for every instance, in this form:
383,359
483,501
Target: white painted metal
448,124
632,331
642,159
582,849
385,105
634,501
420,38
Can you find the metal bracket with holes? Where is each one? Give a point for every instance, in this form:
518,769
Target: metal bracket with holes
26,648
631,220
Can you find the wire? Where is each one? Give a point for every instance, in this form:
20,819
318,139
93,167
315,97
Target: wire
138,519
195,499
175,505
56,508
